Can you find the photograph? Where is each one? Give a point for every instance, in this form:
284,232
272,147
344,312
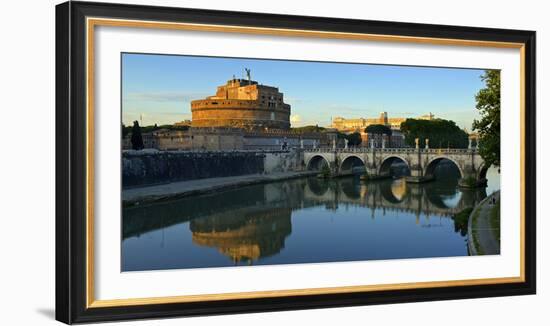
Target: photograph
242,160
230,161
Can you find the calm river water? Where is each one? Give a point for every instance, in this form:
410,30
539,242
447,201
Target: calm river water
301,221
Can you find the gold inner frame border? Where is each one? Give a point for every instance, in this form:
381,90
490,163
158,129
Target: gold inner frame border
92,22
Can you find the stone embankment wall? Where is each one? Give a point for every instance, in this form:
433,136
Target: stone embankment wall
284,161
148,167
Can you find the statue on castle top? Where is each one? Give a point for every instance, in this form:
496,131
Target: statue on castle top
247,74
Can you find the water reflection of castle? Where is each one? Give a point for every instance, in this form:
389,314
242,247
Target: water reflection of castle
250,223
246,238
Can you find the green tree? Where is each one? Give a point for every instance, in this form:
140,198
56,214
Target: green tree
378,130
354,139
441,133
341,135
137,139
488,127
308,129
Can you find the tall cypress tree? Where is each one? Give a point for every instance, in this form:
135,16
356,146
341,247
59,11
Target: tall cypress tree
137,139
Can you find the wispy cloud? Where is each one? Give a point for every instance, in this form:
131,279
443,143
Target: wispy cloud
352,111
370,112
154,113
150,119
164,96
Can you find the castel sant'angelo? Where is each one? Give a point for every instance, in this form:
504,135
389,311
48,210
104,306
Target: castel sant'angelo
242,115
242,103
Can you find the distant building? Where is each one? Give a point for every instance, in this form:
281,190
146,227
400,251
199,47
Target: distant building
397,139
359,124
473,138
342,124
242,103
183,123
429,116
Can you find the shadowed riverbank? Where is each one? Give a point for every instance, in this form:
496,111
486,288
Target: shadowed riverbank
175,190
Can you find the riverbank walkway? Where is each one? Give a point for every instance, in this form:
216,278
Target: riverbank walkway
182,189
483,234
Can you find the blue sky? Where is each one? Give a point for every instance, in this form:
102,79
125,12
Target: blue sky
160,88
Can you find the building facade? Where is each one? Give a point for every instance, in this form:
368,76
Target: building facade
359,124
242,103
397,139
214,139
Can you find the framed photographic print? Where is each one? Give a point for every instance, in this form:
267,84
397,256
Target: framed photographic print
214,162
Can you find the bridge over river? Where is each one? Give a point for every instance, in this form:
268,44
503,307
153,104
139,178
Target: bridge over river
376,162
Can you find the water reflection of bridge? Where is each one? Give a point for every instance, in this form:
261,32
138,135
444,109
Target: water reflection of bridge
252,222
429,199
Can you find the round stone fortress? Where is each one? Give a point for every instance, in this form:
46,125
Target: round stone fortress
242,103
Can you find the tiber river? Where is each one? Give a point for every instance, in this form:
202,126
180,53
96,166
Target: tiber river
306,220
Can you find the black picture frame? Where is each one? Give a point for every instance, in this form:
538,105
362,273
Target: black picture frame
71,157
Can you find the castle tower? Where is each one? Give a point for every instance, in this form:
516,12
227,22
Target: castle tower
242,103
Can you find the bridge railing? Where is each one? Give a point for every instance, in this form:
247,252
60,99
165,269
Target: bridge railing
393,150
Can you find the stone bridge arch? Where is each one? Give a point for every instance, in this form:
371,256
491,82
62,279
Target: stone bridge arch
434,162
316,162
387,161
351,163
